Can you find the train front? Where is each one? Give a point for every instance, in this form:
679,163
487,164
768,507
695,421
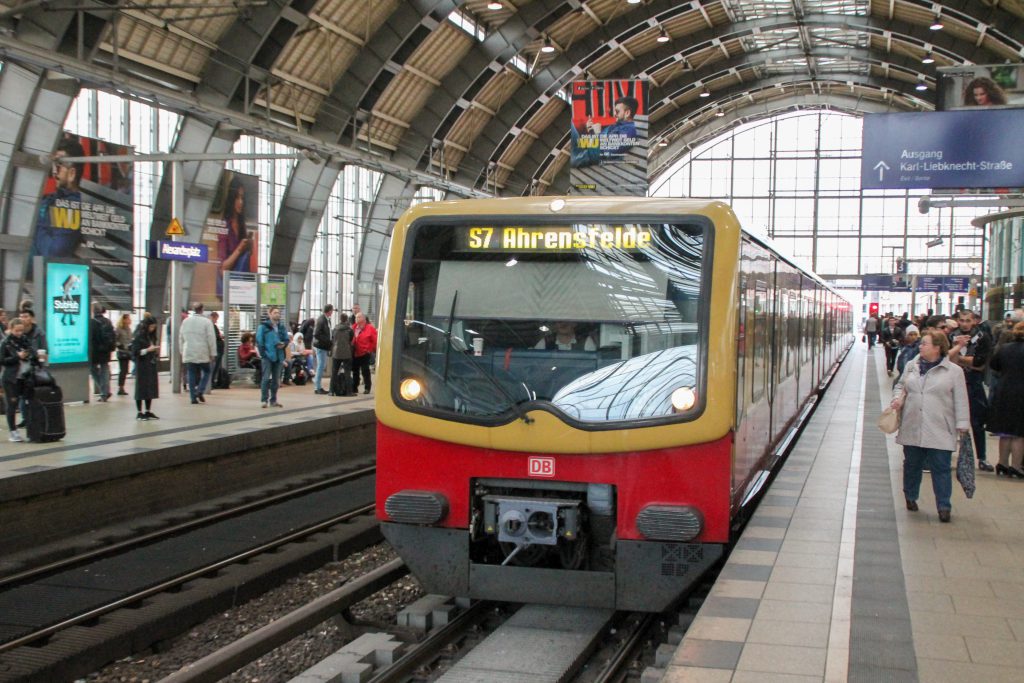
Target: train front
556,397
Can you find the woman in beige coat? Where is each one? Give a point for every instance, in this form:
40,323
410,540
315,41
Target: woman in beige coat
933,396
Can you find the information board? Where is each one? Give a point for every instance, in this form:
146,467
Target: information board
924,283
949,149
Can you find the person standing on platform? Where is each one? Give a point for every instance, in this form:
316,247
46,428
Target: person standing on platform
198,342
123,331
364,345
216,364
15,358
35,336
971,349
102,342
892,339
1007,415
911,339
146,354
932,395
341,355
271,340
322,344
871,330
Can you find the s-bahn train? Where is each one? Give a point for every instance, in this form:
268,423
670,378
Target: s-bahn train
579,398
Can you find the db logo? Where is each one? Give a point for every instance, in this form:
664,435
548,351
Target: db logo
542,467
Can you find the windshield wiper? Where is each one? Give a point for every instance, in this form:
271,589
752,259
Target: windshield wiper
495,383
448,336
520,413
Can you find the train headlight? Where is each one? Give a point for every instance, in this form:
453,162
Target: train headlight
683,399
410,389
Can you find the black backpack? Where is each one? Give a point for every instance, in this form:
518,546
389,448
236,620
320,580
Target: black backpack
107,338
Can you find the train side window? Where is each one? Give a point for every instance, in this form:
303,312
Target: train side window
760,341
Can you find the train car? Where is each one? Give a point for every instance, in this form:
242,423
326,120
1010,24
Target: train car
578,398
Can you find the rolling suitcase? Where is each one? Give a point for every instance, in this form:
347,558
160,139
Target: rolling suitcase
45,418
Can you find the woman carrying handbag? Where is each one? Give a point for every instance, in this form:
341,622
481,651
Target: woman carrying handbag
932,399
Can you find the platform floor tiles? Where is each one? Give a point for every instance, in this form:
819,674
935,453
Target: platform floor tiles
96,431
833,580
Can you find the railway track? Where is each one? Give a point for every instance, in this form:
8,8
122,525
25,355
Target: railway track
65,618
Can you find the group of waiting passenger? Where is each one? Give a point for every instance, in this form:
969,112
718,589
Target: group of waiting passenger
954,376
343,353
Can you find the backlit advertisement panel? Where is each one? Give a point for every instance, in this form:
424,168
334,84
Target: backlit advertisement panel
67,312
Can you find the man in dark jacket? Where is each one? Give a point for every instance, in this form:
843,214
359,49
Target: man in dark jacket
322,345
102,342
341,354
971,350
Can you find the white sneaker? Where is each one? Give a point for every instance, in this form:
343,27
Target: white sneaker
263,405
15,436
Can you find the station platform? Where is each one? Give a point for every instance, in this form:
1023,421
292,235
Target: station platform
834,580
99,432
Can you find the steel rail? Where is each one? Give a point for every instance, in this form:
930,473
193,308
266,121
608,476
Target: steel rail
178,528
613,670
185,578
216,665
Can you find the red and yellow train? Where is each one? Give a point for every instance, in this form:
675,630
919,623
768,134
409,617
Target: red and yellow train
579,397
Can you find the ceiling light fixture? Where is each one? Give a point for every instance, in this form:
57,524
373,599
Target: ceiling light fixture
705,93
634,2
495,5
719,113
937,24
927,59
547,48
663,36
921,85
663,143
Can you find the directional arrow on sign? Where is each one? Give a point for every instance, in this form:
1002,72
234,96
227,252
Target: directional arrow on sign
881,167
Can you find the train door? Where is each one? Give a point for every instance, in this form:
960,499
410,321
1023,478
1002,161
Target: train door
775,344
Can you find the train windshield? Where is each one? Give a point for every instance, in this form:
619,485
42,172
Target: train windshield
596,322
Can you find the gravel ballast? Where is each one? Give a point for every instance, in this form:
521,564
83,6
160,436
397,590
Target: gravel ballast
376,612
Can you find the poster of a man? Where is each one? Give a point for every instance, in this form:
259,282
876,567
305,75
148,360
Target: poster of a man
59,221
608,137
613,139
85,215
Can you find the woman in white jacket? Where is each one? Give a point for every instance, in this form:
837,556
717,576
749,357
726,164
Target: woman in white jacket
933,396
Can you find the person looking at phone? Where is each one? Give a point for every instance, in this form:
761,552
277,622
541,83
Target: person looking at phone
271,340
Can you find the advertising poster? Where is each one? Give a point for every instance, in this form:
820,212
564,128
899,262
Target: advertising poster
274,293
86,215
987,86
67,312
608,137
230,235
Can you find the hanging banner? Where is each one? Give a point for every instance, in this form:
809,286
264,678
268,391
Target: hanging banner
67,312
230,236
980,85
608,137
86,215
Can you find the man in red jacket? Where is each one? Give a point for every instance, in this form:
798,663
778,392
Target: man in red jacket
364,345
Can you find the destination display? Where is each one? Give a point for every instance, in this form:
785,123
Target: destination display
517,238
918,283
938,150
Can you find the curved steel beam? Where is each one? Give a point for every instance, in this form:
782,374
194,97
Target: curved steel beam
298,221
393,198
507,119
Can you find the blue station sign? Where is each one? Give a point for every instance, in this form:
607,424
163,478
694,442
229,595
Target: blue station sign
948,149
179,251
924,283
